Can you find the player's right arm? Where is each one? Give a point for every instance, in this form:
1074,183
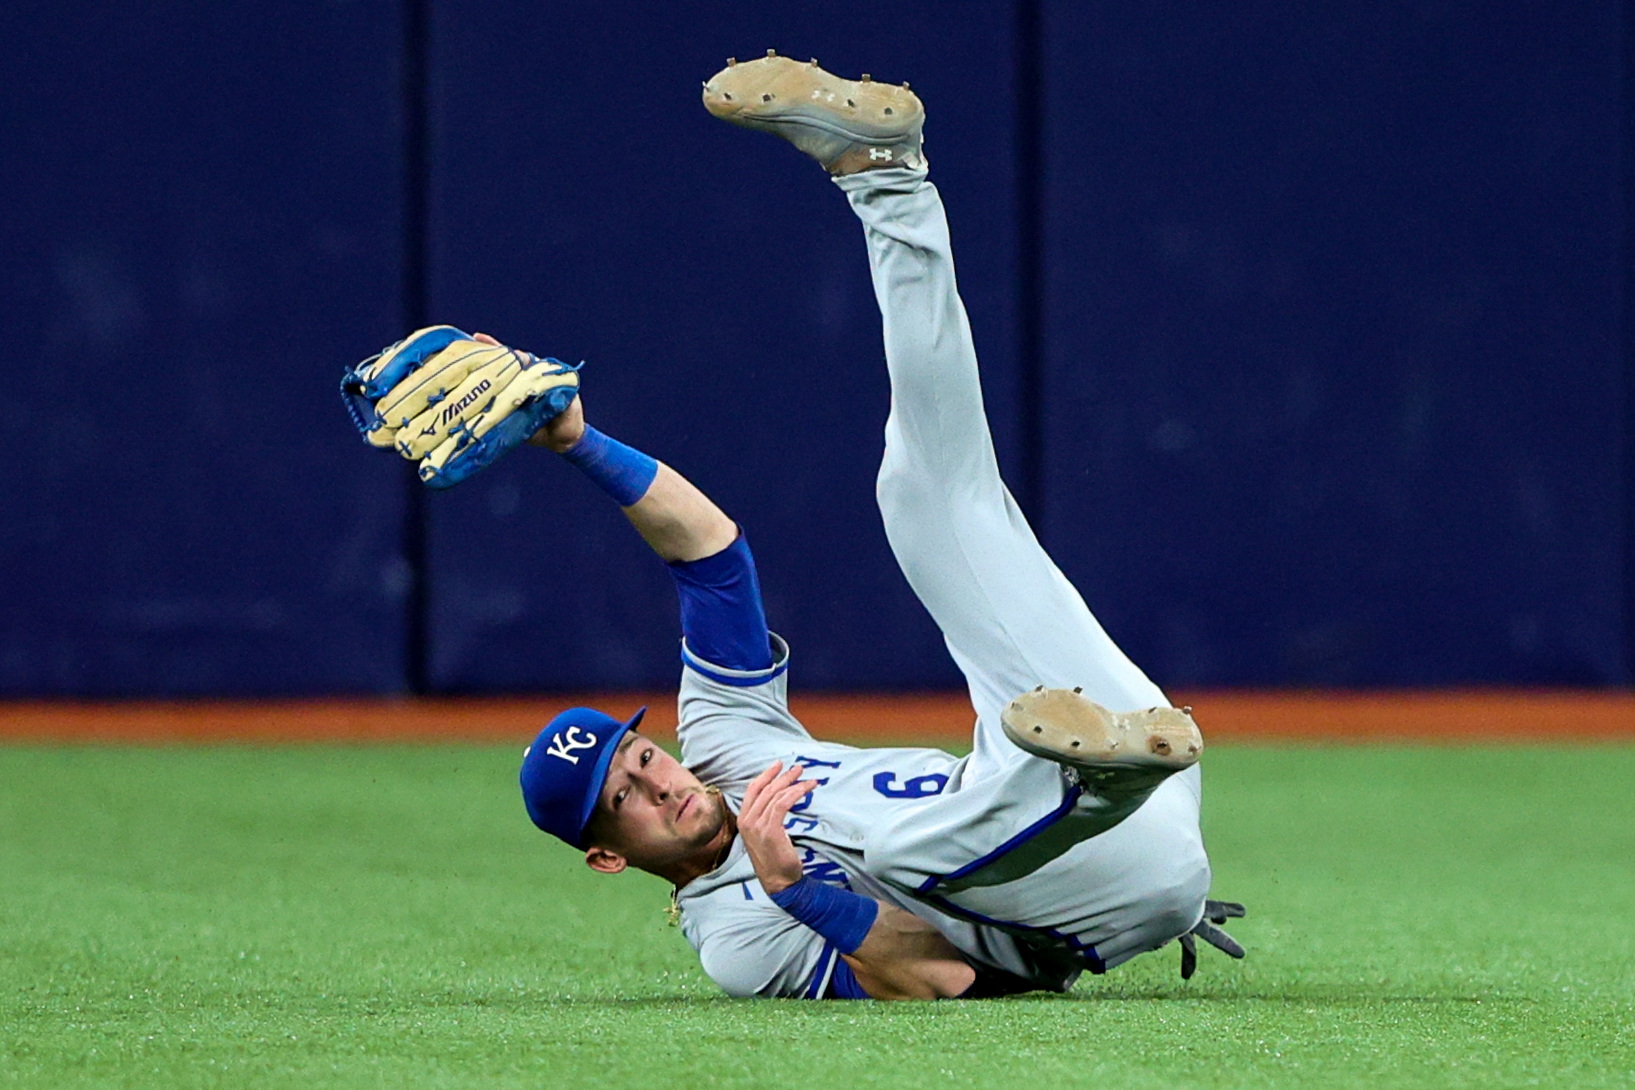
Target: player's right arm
900,956
904,957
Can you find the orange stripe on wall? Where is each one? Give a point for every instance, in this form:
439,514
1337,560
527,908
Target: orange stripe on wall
942,718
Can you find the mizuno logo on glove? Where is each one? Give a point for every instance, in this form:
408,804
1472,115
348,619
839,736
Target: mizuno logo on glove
454,410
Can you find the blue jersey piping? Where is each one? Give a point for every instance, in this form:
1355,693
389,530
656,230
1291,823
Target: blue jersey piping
1014,842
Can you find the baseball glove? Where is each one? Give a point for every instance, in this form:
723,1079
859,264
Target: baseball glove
452,403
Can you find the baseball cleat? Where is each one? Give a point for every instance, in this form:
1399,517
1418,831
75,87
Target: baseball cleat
1102,747
846,125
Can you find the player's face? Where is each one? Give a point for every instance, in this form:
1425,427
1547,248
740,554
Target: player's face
655,811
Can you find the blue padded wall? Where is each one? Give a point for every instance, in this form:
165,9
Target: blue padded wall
1330,382
200,226
586,206
1335,380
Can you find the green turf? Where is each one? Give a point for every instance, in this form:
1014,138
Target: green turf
386,917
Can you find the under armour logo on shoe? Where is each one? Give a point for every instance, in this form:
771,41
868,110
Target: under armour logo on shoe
879,153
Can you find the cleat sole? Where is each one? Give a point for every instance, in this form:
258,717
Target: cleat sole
1065,726
844,124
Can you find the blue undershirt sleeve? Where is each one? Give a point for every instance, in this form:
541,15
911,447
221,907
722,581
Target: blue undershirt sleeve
722,616
843,983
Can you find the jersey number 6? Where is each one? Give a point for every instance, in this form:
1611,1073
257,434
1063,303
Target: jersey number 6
918,787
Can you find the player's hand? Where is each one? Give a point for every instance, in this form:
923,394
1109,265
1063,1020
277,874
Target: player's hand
760,822
561,431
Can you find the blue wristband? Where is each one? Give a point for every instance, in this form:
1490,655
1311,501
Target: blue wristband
839,915
624,473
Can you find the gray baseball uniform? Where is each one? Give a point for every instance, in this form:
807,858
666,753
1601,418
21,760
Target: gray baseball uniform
1021,871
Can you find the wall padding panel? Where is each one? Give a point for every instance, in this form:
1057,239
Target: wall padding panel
200,227
586,206
1335,365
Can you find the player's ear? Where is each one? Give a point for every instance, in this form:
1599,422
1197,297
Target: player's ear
605,861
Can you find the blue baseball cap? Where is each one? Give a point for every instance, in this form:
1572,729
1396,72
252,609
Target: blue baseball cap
564,770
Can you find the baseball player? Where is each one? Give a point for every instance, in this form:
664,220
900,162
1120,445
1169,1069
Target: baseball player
1067,840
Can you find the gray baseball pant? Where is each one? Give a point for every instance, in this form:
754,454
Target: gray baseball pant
1004,843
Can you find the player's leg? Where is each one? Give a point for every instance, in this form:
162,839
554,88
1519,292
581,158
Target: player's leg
1112,875
1128,890
1011,619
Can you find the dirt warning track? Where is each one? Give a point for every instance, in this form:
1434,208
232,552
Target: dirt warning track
936,718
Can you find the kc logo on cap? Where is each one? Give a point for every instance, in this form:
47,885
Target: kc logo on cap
564,770
564,744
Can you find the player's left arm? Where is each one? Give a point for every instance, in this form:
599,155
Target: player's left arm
722,615
893,954
673,515
455,402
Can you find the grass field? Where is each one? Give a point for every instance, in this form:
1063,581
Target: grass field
329,916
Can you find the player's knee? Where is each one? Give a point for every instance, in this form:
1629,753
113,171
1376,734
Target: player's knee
896,488
921,514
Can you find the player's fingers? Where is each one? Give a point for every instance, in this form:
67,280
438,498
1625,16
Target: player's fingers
782,782
485,338
759,782
765,787
752,793
787,797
